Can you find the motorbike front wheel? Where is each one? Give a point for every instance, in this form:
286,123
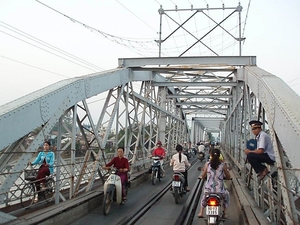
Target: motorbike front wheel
176,196
107,201
154,176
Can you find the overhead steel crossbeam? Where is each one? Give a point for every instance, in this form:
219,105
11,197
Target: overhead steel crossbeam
199,110
202,103
195,84
210,123
214,96
186,70
217,61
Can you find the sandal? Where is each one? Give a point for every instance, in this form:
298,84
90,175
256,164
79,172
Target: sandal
225,216
264,173
200,216
124,199
36,199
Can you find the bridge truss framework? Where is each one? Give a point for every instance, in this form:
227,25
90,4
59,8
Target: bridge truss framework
166,99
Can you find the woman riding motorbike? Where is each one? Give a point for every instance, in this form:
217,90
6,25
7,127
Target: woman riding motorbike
179,162
122,165
215,170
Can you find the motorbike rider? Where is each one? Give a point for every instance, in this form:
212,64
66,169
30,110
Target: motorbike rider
180,162
186,149
122,165
201,147
161,153
215,170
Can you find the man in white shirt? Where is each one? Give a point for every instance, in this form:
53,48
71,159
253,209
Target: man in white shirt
264,153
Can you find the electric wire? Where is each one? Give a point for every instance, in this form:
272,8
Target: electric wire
136,16
34,66
47,51
246,17
24,34
168,49
293,79
140,47
183,30
131,43
157,2
190,2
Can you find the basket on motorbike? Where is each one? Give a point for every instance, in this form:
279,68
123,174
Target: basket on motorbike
30,174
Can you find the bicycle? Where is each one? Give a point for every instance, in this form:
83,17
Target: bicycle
29,191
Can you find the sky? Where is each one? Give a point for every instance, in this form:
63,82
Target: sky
43,42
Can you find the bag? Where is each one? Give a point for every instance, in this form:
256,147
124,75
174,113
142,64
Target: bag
128,184
30,174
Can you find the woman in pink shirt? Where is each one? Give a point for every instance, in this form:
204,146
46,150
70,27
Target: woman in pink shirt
180,162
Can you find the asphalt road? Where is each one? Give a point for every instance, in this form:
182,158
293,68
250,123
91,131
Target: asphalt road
165,211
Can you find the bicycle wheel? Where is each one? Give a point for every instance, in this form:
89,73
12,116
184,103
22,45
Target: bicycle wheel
50,188
154,176
107,201
27,195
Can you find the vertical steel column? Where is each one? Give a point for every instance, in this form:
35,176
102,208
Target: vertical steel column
161,11
239,8
73,152
162,115
58,152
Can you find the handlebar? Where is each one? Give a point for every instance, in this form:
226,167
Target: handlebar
157,157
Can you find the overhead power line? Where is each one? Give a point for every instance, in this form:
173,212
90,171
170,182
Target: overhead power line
136,15
34,66
46,50
32,38
137,45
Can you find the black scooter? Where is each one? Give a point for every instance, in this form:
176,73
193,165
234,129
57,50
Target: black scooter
201,156
177,186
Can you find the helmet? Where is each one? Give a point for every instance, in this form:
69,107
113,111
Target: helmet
179,147
159,143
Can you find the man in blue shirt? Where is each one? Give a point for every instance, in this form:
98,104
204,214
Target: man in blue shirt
264,152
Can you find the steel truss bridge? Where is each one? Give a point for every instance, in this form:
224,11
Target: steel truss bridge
148,99
172,99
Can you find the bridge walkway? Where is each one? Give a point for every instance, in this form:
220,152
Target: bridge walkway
88,207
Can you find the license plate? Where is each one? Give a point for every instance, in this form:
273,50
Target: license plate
176,183
212,210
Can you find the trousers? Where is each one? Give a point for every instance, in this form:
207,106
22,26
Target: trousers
256,161
41,176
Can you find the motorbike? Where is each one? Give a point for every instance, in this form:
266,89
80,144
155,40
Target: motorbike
155,169
187,153
214,212
177,186
194,151
201,156
112,191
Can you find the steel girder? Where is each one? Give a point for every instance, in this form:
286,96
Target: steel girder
264,96
218,61
137,114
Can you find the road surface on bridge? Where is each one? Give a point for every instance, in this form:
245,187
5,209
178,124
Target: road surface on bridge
165,210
